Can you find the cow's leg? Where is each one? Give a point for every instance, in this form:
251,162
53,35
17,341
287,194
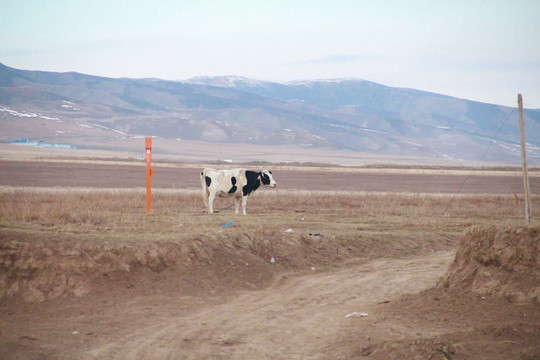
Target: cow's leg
205,198
211,202
237,204
244,200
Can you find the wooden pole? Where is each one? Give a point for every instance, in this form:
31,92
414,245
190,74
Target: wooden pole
149,173
524,162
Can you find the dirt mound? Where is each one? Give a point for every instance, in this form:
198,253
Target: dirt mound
485,342
48,267
498,262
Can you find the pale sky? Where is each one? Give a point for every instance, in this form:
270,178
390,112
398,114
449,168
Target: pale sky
486,51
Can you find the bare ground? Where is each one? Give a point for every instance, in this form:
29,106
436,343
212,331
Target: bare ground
394,311
298,316
221,297
103,175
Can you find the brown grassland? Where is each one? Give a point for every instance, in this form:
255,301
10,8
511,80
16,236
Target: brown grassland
86,274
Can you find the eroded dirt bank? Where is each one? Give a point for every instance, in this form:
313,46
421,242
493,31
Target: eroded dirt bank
298,315
486,306
498,262
224,298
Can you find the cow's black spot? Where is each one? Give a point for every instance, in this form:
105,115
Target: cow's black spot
265,179
234,187
208,180
253,182
249,189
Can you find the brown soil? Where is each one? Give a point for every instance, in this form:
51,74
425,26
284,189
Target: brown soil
221,296
98,175
221,299
495,262
486,306
224,300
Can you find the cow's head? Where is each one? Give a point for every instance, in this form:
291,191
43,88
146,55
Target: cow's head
267,179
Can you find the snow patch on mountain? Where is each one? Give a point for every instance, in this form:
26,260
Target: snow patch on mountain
26,115
230,81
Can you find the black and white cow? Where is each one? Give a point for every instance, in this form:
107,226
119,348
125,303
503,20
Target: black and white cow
237,183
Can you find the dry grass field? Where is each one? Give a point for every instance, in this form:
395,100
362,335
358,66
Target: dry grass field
86,274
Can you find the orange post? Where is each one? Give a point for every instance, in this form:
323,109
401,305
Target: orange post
149,173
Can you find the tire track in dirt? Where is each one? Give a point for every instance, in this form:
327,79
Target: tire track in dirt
298,317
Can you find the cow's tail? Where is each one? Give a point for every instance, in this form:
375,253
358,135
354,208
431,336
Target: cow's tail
203,179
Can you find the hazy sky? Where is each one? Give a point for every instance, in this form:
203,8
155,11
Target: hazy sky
480,50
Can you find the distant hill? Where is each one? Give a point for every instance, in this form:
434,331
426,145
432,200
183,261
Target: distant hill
349,114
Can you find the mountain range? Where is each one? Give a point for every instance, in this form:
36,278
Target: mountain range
345,114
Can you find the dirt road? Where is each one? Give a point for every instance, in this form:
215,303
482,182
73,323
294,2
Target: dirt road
297,317
300,316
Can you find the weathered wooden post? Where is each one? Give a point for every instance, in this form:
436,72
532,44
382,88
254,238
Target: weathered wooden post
524,162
